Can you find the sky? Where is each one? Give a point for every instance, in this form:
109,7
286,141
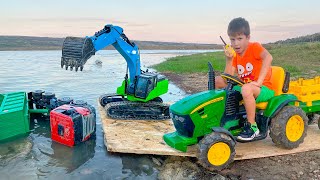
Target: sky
192,21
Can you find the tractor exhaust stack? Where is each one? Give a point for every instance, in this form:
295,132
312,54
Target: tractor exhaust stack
211,77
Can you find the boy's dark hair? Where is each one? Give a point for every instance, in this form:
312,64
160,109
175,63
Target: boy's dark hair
238,26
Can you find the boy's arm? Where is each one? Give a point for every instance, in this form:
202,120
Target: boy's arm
266,64
229,69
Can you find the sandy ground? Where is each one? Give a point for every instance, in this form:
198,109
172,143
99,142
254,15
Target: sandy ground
304,165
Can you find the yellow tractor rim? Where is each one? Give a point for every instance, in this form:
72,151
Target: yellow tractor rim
219,153
295,128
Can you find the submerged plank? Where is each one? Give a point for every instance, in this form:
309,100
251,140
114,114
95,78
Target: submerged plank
145,137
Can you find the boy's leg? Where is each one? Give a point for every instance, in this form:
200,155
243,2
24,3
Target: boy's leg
249,93
220,82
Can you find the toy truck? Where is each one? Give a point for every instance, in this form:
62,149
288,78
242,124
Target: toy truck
73,123
212,119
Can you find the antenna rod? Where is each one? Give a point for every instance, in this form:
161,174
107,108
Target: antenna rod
223,41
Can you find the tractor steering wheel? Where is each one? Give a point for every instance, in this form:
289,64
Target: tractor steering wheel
232,79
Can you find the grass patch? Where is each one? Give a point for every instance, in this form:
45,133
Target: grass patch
192,63
301,60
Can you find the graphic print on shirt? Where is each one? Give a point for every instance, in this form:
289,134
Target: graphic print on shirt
245,73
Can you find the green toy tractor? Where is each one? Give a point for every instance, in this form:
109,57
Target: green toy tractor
212,119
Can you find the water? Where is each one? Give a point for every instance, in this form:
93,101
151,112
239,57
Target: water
35,155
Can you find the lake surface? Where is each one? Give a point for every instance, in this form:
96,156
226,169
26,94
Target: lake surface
35,155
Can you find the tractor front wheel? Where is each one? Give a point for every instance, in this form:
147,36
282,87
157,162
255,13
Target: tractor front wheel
216,151
289,127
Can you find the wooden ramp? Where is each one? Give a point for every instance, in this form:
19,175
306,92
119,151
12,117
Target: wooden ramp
145,137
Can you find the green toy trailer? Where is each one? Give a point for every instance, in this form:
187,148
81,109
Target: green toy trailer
212,119
14,115
16,107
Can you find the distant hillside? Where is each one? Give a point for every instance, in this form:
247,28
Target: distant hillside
13,43
309,38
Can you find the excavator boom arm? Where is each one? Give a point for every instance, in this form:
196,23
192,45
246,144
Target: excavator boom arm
76,51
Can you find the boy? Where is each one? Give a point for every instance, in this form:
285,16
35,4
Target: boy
253,65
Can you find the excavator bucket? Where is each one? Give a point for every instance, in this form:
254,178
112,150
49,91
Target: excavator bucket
75,52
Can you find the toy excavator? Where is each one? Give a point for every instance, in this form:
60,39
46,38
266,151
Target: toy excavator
138,96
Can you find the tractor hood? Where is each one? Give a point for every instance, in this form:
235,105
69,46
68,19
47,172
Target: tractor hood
197,101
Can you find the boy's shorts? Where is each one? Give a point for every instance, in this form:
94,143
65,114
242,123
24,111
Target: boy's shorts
265,93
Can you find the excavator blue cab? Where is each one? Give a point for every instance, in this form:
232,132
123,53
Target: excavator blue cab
138,96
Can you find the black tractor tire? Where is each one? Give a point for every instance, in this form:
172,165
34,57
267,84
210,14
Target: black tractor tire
64,100
319,123
37,94
282,133
48,95
226,151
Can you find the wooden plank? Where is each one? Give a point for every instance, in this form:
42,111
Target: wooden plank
138,136
145,137
266,148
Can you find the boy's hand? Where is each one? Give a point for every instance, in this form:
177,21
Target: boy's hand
229,52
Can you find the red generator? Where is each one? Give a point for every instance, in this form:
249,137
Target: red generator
72,124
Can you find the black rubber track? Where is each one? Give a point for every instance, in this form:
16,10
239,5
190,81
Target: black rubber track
127,110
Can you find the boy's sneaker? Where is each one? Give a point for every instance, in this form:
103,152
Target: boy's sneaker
249,132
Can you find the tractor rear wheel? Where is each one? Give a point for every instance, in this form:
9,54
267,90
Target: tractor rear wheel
216,151
289,127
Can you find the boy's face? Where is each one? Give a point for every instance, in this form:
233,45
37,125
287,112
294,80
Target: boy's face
239,42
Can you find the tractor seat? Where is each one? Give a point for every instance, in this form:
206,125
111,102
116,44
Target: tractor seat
277,81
